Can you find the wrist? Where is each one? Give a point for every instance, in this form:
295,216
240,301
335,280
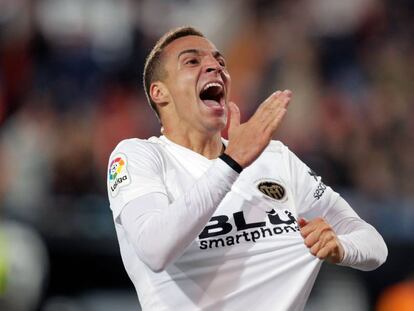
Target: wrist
231,162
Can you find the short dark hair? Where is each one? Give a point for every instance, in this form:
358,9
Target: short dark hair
154,69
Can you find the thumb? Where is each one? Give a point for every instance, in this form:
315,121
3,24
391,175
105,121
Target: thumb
302,222
234,120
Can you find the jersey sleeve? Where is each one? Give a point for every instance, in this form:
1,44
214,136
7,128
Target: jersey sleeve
364,248
134,169
312,197
181,220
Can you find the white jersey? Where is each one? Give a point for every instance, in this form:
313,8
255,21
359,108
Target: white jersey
250,255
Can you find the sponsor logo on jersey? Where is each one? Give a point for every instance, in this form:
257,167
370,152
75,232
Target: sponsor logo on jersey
118,174
321,186
272,189
222,231
319,190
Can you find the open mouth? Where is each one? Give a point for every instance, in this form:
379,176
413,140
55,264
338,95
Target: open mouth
212,94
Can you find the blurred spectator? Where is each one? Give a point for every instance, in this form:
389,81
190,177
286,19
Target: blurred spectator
122,113
26,143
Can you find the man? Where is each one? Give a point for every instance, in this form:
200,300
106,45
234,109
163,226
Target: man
209,224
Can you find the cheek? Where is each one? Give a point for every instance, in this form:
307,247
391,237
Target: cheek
185,87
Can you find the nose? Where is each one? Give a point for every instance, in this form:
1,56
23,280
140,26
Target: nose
213,65
214,68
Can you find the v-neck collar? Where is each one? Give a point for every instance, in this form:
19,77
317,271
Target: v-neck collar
185,150
193,161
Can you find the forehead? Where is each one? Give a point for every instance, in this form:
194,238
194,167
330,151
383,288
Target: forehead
173,50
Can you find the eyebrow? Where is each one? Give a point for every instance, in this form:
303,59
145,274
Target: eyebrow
189,51
216,54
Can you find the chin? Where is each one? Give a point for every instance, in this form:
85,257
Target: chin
216,125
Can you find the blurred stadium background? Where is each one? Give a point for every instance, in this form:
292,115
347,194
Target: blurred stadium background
70,90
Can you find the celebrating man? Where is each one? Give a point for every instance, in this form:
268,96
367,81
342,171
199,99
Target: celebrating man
209,224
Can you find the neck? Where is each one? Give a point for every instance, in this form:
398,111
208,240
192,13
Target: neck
209,146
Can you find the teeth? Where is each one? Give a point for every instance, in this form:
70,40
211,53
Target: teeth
211,84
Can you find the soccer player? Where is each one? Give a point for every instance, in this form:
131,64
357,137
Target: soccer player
209,224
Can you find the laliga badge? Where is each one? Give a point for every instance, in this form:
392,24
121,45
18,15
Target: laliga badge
118,176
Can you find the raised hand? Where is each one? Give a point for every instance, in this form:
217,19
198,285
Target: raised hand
248,140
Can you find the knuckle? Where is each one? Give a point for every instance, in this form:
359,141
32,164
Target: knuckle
325,233
324,226
328,239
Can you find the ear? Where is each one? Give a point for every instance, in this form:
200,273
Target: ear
159,93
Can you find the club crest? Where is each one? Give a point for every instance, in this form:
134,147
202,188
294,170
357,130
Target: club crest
272,190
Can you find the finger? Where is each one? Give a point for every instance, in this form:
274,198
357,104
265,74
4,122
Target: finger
285,98
315,249
314,224
275,114
270,112
277,119
308,228
329,251
312,238
268,101
323,252
302,222
326,236
288,92
278,99
234,120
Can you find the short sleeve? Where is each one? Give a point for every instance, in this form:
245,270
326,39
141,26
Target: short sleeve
135,169
313,198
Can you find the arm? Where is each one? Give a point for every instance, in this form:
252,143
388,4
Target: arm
335,232
364,248
342,237
160,231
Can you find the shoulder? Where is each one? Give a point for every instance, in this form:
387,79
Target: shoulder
131,146
138,151
278,150
276,146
